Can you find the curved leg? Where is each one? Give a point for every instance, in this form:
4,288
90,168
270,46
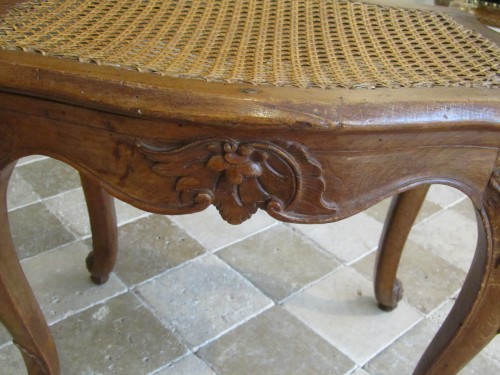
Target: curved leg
100,204
402,213
19,310
475,317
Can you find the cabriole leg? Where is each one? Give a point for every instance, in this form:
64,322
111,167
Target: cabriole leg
400,218
19,310
475,317
101,208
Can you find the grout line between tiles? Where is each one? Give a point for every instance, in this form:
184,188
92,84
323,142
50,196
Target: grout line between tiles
236,325
281,301
208,364
315,244
21,163
144,215
439,212
89,306
216,249
353,370
50,250
195,348
372,250
61,193
15,208
381,349
62,220
164,322
6,344
458,201
168,270
276,223
307,286
171,363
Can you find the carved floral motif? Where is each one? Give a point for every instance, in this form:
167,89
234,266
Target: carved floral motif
240,177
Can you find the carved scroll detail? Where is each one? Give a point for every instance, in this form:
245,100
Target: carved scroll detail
240,177
493,195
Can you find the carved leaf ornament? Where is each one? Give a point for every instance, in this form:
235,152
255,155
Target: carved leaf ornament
493,199
240,177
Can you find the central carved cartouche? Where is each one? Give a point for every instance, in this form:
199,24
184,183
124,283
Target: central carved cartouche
237,163
240,177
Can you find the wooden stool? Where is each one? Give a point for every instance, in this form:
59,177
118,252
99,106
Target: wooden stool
315,111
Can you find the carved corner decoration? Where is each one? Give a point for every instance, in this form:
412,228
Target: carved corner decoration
495,178
240,177
493,193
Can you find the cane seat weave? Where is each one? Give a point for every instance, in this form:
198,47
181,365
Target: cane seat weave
305,43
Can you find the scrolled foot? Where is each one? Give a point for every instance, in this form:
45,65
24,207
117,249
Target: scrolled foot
97,279
397,295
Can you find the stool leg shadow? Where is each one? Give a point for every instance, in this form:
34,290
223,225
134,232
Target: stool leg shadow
20,312
400,218
101,208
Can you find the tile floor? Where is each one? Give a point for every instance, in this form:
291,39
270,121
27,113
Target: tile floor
193,295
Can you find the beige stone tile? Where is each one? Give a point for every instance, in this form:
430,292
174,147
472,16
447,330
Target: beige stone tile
466,209
4,335
438,316
379,210
62,284
444,195
126,213
274,343
427,279
189,365
213,233
360,372
150,246
428,209
19,192
347,239
278,261
49,177
450,235
71,208
342,309
203,299
11,361
30,159
120,336
34,230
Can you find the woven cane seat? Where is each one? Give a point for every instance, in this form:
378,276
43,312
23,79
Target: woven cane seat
304,43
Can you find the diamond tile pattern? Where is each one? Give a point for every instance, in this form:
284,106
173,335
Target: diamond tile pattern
193,295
